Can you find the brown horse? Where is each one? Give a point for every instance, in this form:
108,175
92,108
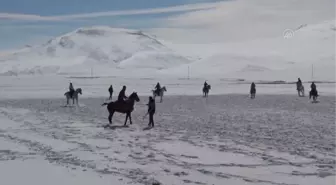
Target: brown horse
125,107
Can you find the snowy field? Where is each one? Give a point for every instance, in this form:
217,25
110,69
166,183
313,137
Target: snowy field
27,87
225,139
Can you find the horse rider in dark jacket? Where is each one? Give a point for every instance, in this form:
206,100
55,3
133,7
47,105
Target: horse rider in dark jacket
313,86
122,95
253,86
71,90
299,83
157,88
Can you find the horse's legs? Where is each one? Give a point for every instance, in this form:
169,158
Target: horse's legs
127,114
110,117
130,117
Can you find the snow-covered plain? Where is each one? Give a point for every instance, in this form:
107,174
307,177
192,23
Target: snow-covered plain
225,139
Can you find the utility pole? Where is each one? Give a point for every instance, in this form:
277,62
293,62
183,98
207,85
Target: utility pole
312,74
188,73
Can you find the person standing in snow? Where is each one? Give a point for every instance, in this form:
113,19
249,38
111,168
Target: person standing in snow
253,90
111,92
151,111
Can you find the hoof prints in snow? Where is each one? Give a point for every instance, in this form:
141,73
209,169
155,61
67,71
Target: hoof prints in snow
228,140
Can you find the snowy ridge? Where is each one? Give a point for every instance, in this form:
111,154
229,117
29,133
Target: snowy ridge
99,47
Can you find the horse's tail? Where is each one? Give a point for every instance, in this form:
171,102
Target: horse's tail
104,104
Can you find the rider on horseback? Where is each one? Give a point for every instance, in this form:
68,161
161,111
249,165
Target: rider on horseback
205,84
299,81
157,88
299,84
71,90
313,91
313,86
253,86
122,95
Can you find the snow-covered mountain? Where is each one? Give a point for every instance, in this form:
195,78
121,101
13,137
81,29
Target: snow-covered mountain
123,52
99,47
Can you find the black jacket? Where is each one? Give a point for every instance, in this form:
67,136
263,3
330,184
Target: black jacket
122,95
151,106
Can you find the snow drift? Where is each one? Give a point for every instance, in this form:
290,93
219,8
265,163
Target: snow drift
100,47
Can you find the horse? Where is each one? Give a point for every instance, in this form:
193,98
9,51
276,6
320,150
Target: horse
206,90
300,90
314,94
74,96
125,107
253,92
161,93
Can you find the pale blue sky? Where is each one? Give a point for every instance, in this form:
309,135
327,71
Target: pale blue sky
17,29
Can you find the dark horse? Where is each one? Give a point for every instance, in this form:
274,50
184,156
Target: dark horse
206,90
126,107
313,93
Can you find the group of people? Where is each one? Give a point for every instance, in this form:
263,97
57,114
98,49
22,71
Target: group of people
312,86
122,98
151,103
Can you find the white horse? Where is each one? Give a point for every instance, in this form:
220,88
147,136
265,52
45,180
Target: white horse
74,96
300,89
161,93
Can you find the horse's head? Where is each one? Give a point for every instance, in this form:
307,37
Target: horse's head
209,86
134,96
79,90
164,88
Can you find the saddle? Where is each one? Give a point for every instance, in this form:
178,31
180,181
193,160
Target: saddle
157,91
314,92
71,93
